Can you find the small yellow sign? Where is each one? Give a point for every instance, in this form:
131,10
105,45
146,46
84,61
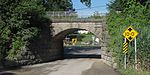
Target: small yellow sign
130,33
74,40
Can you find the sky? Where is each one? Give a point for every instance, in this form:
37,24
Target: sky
97,5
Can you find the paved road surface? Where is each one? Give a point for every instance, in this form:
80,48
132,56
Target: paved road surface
80,66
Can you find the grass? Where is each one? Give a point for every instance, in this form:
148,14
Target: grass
132,71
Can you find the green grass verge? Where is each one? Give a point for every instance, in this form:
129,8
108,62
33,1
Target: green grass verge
132,71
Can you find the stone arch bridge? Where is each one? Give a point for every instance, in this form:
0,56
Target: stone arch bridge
49,45
62,28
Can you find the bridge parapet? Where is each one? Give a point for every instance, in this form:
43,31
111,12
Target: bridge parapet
72,16
76,20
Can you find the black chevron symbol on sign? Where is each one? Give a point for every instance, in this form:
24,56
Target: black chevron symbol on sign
130,29
130,38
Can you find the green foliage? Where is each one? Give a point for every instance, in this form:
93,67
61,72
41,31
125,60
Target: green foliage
58,5
117,5
87,37
136,14
132,71
62,5
129,71
86,2
20,22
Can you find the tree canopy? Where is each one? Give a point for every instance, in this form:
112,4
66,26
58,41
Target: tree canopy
22,20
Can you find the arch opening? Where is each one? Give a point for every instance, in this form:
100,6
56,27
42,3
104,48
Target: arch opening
78,43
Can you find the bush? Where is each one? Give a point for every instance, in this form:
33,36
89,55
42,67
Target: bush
136,15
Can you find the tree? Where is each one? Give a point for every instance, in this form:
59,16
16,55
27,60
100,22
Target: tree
62,5
18,25
58,5
86,2
21,21
117,5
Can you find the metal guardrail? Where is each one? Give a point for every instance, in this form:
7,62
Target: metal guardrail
77,20
66,16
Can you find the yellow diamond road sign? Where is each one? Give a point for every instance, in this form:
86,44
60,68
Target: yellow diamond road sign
74,40
130,33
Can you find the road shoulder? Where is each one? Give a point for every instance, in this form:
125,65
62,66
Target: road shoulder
100,68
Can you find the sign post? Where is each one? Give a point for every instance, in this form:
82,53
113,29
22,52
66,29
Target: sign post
125,61
125,57
130,34
135,53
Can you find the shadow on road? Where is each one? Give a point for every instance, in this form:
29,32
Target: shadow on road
82,52
72,56
5,70
7,73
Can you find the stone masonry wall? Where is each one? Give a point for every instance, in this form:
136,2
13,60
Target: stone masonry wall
48,47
